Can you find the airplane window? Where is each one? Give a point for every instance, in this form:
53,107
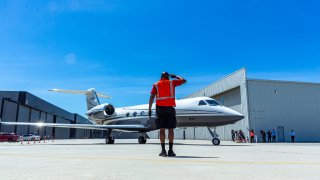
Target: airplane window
202,103
128,114
134,114
212,102
142,113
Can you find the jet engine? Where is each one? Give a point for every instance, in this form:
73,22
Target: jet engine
109,109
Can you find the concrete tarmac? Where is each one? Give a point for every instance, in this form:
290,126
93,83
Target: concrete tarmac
126,159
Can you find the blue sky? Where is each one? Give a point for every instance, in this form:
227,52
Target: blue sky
120,47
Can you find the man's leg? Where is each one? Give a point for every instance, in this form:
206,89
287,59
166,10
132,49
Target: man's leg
162,142
162,135
171,137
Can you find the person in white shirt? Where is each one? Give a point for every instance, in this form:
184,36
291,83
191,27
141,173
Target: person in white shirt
292,134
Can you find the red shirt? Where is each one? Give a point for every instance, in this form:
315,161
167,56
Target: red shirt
170,101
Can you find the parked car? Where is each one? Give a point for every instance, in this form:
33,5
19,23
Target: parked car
9,137
31,137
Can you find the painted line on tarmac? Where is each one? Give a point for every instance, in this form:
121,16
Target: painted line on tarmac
161,160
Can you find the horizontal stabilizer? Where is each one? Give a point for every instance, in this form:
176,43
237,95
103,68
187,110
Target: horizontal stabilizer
78,92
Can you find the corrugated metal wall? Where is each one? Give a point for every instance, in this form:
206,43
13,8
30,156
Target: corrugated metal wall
62,133
49,129
23,117
274,104
35,117
9,115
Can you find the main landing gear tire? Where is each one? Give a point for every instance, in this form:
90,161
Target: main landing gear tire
215,141
142,140
110,140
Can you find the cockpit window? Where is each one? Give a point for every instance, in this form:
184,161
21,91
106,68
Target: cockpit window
202,103
212,102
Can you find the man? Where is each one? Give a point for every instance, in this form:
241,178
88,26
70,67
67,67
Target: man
164,91
252,136
274,135
269,136
263,135
232,135
292,134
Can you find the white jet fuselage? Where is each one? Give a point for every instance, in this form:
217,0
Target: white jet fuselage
200,111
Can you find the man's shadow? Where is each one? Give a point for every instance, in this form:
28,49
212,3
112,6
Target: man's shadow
195,157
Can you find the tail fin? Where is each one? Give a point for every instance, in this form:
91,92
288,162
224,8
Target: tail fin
91,96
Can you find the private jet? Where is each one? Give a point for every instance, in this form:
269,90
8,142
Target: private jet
192,112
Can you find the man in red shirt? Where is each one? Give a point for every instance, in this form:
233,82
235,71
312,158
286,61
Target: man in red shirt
164,92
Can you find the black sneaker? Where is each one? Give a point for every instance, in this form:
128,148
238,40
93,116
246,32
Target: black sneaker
171,153
163,153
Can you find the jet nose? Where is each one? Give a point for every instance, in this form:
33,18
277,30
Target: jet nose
238,117
232,114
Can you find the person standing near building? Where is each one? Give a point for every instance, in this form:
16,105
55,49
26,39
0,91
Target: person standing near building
274,135
263,135
233,135
292,134
164,92
269,136
251,136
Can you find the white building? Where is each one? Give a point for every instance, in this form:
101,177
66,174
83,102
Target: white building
267,105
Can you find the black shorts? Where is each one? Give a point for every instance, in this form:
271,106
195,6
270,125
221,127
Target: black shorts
166,117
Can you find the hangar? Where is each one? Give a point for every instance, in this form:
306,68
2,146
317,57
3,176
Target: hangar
21,106
267,105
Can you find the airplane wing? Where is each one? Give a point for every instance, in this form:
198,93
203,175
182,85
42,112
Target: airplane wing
78,126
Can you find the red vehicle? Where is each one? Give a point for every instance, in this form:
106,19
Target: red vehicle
9,137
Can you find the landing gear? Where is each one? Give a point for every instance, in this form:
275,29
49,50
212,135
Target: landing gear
215,136
143,139
215,141
109,138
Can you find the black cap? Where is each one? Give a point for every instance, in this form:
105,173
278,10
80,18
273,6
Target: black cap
165,75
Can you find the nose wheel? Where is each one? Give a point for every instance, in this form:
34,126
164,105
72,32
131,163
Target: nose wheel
215,137
143,139
216,141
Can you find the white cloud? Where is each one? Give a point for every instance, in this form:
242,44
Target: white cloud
71,58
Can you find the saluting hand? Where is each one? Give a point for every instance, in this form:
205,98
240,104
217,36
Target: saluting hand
173,76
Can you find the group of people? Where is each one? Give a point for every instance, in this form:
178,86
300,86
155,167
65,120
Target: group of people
238,136
269,136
